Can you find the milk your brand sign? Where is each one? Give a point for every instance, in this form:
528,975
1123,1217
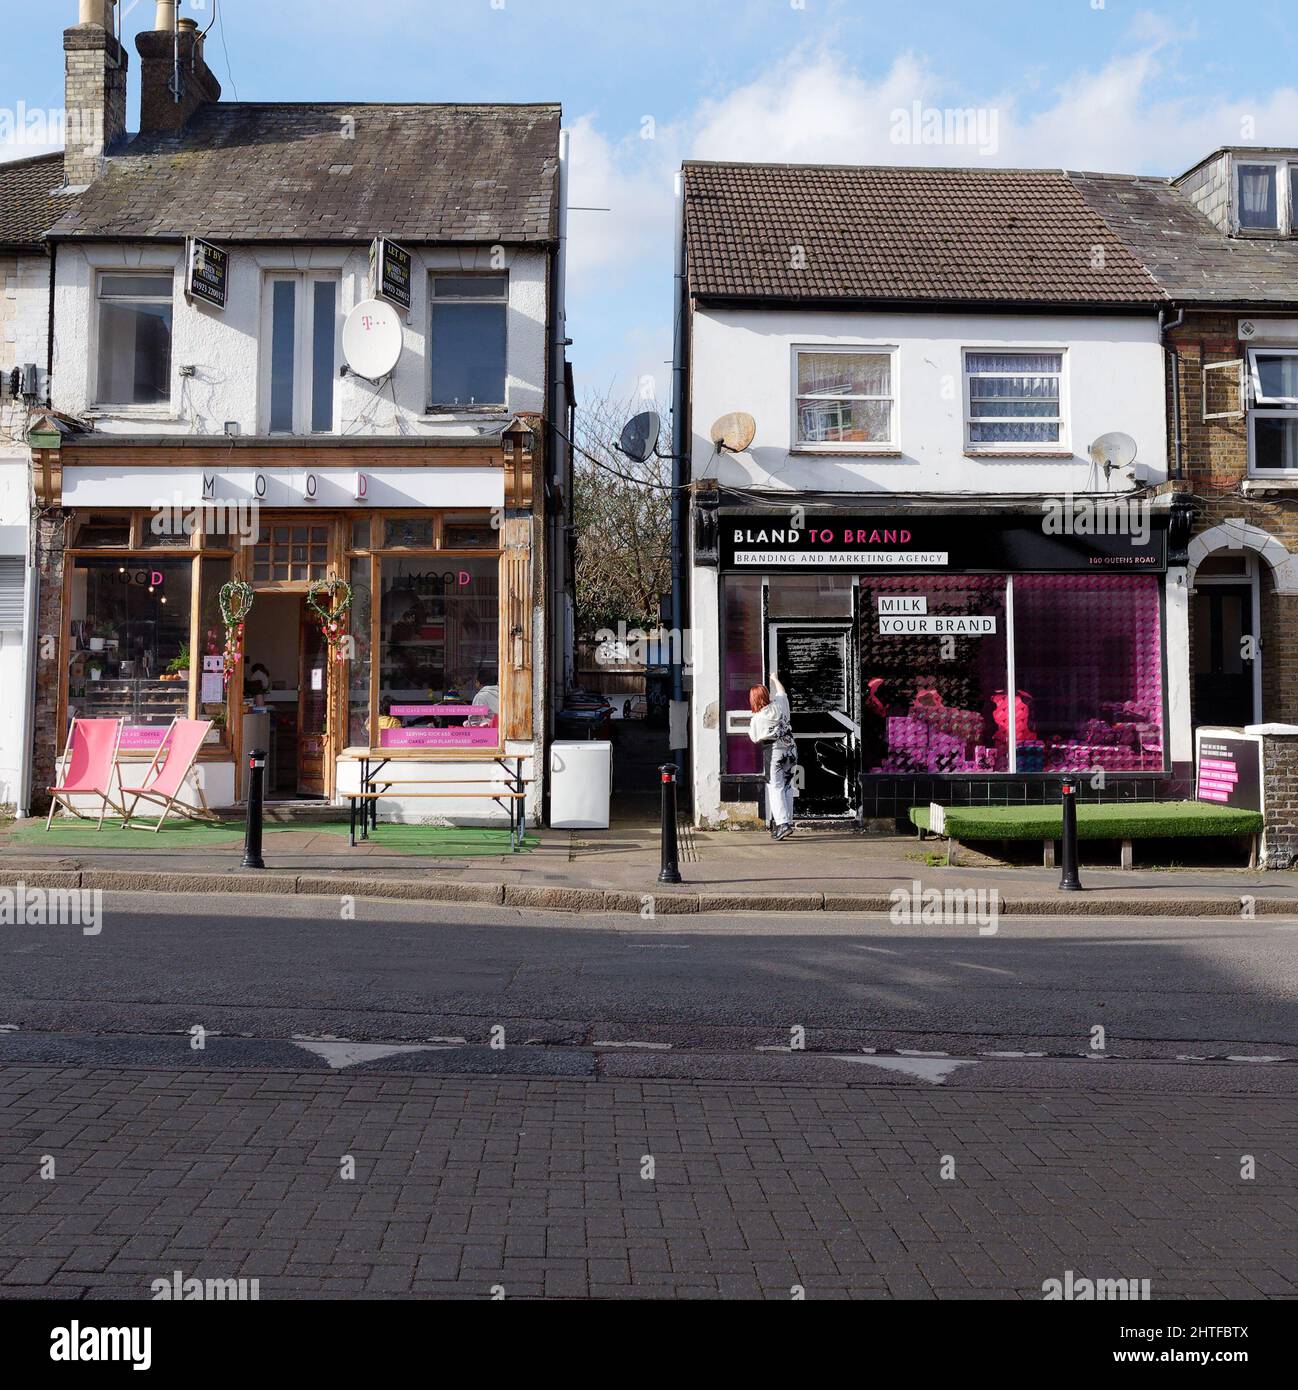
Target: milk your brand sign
971,544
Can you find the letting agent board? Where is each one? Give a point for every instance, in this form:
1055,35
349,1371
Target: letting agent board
390,272
207,273
1228,768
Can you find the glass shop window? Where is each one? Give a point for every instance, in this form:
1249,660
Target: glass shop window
439,655
128,639
810,596
290,553
358,675
933,701
742,663
1088,653
467,342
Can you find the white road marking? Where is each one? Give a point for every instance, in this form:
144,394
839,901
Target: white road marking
932,1069
991,969
1013,1054
661,1047
348,1054
916,1052
1256,1059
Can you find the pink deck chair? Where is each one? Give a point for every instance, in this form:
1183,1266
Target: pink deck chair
89,766
166,774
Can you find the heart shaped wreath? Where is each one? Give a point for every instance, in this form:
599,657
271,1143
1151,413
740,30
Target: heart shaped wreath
235,599
332,614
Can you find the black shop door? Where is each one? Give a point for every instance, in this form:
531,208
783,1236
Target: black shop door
816,664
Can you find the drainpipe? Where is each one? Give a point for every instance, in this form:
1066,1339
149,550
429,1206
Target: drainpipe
1164,328
680,452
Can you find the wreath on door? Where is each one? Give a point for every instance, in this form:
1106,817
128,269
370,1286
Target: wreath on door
329,600
236,600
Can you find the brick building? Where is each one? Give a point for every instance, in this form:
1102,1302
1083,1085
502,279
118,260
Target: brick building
1219,241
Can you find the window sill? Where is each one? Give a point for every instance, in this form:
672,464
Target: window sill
1270,482
1019,454
452,412
862,451
162,413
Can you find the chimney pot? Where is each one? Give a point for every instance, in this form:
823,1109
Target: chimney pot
164,18
97,12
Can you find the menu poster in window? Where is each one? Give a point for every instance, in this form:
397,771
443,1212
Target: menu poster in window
812,667
1228,769
207,274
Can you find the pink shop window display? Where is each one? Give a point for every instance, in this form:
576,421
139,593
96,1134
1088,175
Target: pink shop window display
440,726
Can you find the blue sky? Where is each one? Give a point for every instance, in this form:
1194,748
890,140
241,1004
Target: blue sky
1099,84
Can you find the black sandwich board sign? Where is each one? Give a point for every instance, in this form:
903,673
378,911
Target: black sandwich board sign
1228,768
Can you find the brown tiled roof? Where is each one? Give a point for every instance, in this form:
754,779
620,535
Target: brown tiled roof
902,234
1189,257
283,172
27,205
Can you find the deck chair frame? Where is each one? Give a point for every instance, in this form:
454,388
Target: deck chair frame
58,797
168,803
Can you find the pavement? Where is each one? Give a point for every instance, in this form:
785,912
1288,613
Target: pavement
817,870
408,1099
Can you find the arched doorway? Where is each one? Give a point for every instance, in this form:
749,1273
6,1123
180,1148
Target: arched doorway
1226,623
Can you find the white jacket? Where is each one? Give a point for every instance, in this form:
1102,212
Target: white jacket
773,723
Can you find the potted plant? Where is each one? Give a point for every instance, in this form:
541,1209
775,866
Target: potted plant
95,670
99,635
178,666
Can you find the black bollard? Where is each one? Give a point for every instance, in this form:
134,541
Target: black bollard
670,871
1068,881
252,835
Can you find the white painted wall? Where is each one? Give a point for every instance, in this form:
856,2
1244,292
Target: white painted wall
743,360
24,325
222,346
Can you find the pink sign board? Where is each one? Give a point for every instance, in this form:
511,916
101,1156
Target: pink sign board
440,711
487,737
143,736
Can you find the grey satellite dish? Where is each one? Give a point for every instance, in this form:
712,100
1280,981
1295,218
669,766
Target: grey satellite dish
640,436
734,432
1114,450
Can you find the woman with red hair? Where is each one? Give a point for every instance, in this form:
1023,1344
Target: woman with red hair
771,726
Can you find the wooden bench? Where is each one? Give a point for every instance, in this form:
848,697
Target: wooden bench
511,796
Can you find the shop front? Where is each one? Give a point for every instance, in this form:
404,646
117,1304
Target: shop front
938,656
325,635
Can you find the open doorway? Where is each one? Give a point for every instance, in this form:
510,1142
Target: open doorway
1227,655
286,695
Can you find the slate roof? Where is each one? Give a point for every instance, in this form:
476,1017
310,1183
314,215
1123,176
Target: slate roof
244,172
27,205
1004,236
1191,258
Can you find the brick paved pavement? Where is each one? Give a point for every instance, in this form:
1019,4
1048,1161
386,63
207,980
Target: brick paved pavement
535,1185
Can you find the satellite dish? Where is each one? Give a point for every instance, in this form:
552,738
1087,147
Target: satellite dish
372,339
734,432
640,437
1114,450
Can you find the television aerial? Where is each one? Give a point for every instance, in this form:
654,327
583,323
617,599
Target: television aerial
1115,453
734,432
372,339
639,441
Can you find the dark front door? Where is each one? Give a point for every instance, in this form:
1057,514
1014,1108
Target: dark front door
313,707
1224,653
814,663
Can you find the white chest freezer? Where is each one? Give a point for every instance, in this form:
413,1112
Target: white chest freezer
581,785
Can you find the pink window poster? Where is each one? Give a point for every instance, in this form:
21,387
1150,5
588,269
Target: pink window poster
479,737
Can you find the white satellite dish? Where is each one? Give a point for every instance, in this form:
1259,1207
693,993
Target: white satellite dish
1114,450
372,339
734,432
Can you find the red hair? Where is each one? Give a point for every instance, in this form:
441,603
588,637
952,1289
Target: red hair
758,698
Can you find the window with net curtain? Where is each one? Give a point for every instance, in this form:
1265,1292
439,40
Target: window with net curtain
1015,399
1257,203
844,397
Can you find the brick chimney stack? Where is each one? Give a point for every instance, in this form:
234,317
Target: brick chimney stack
94,100
174,78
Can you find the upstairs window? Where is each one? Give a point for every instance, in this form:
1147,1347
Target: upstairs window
134,361
1273,418
467,340
1266,196
1014,401
844,399
301,334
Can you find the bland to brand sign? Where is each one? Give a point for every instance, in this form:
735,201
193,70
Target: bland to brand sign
390,272
968,544
207,274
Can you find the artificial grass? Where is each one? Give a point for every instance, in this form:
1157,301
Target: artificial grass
442,841
1133,820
